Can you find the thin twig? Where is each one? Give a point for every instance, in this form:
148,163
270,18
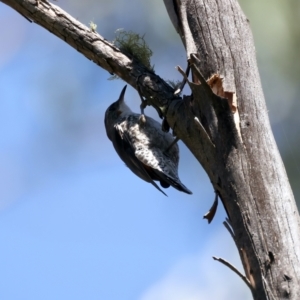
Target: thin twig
229,228
235,270
185,78
202,129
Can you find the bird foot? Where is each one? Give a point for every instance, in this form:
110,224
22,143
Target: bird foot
142,119
144,102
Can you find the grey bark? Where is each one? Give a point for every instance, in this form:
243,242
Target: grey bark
225,126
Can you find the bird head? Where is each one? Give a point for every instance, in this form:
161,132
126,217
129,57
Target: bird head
116,110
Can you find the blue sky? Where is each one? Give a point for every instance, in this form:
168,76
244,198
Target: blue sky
75,223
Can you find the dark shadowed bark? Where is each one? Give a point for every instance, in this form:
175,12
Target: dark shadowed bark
224,123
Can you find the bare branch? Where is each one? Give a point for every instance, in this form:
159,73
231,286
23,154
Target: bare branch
96,48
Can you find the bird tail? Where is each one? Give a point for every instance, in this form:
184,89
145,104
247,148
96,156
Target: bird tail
178,185
166,181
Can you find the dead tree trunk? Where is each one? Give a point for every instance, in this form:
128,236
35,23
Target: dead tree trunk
244,164
224,123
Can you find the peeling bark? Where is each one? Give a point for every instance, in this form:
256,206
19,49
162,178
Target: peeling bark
224,123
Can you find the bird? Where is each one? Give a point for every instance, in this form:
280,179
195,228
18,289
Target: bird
143,146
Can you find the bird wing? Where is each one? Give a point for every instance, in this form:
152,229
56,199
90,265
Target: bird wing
166,178
123,144
174,182
160,165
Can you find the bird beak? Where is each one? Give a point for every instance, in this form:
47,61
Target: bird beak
121,97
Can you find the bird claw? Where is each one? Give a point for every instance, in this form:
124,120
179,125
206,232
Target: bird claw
142,119
144,102
143,105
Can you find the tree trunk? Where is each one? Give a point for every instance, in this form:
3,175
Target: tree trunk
224,123
244,164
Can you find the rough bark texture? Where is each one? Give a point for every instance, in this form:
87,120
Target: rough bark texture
245,166
231,136
253,187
